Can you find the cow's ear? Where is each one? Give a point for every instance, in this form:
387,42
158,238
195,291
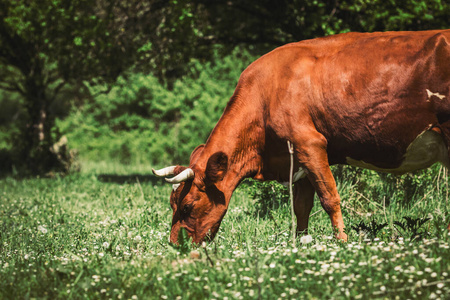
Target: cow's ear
216,168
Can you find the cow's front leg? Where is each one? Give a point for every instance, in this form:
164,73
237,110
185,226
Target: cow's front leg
310,148
303,203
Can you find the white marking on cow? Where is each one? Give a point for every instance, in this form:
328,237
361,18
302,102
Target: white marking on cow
430,93
175,186
428,148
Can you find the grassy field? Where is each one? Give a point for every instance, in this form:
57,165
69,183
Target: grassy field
103,234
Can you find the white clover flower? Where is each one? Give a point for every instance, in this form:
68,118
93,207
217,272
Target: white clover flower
42,229
306,239
105,245
137,238
321,247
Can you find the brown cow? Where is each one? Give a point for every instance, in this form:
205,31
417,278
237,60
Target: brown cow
375,100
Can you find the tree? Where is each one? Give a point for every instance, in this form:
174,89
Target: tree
48,45
264,24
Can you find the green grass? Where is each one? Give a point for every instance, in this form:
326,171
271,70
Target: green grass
103,233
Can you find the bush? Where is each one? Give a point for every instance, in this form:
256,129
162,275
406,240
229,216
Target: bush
141,121
267,195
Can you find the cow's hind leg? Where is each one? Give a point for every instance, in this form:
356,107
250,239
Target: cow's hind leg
303,203
311,151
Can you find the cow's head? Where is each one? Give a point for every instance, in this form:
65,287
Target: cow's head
197,202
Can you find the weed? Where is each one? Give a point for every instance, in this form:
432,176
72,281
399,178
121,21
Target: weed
371,230
413,227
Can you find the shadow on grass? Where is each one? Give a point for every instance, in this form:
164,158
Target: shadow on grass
131,178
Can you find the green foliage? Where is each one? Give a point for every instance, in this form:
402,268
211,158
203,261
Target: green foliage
47,45
267,195
400,189
389,15
184,242
370,230
141,121
413,227
266,23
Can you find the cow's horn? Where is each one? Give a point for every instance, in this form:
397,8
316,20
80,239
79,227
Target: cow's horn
164,172
183,176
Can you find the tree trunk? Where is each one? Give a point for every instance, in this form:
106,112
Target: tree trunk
35,141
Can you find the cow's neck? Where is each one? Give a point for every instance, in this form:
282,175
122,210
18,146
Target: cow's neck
238,134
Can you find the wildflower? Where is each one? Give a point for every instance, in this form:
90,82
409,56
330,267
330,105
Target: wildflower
321,247
137,238
105,245
306,239
42,229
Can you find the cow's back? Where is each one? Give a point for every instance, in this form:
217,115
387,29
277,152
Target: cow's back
367,93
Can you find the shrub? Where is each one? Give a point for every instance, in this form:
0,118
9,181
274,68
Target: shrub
142,121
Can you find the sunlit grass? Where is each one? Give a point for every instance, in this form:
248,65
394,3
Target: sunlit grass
82,237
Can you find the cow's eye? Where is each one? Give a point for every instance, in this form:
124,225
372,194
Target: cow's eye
186,209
